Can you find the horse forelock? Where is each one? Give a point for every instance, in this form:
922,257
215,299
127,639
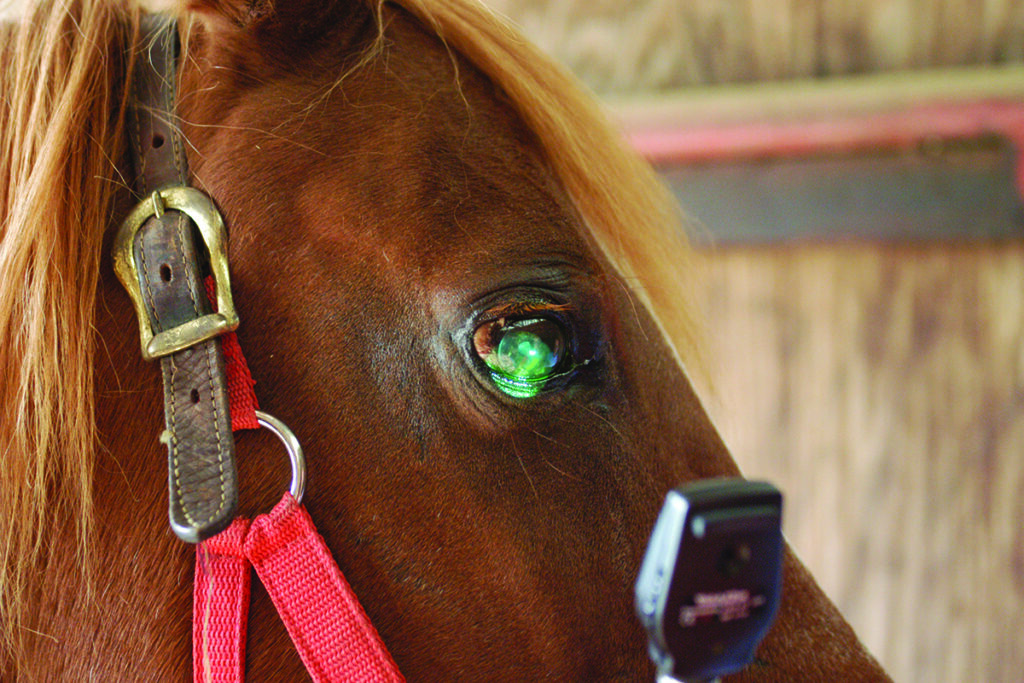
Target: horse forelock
60,103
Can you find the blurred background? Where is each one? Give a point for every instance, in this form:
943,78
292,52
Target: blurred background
853,171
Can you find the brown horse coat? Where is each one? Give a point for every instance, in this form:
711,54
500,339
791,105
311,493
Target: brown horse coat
374,220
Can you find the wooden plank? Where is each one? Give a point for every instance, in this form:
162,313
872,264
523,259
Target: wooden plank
645,45
882,388
810,98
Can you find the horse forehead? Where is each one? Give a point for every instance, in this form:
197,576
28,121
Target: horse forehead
413,163
439,186
440,221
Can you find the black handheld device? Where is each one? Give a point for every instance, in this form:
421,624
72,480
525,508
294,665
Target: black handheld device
709,584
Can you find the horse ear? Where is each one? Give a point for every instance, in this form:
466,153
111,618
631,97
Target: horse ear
237,13
296,19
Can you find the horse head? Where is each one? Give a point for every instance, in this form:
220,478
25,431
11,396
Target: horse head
463,296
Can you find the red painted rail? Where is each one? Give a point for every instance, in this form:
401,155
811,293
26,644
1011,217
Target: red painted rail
820,134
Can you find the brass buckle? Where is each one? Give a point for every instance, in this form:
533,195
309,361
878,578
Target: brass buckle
201,210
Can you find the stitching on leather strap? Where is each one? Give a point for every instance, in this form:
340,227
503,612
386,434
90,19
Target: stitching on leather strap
139,152
210,350
151,302
190,275
170,370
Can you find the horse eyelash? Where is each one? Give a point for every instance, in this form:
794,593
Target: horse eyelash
524,308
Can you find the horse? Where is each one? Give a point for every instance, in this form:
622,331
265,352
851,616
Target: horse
406,185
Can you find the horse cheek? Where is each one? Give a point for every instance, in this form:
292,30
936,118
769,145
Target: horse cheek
682,444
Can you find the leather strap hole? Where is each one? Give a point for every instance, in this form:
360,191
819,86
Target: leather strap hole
165,273
158,141
194,396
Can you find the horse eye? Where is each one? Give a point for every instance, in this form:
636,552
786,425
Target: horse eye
522,355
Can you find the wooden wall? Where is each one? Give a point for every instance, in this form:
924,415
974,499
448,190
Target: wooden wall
882,388
641,46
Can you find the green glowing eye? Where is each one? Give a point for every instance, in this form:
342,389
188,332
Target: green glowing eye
522,355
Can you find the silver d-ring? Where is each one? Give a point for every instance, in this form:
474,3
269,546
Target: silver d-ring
294,448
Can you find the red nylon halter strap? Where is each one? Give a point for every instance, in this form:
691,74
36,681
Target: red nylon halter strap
330,629
220,606
326,623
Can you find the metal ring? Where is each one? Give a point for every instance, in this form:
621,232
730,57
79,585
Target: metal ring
294,448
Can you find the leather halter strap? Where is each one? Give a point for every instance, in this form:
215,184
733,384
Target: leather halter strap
170,269
157,260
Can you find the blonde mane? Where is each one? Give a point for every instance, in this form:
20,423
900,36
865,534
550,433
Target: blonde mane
60,132
62,85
